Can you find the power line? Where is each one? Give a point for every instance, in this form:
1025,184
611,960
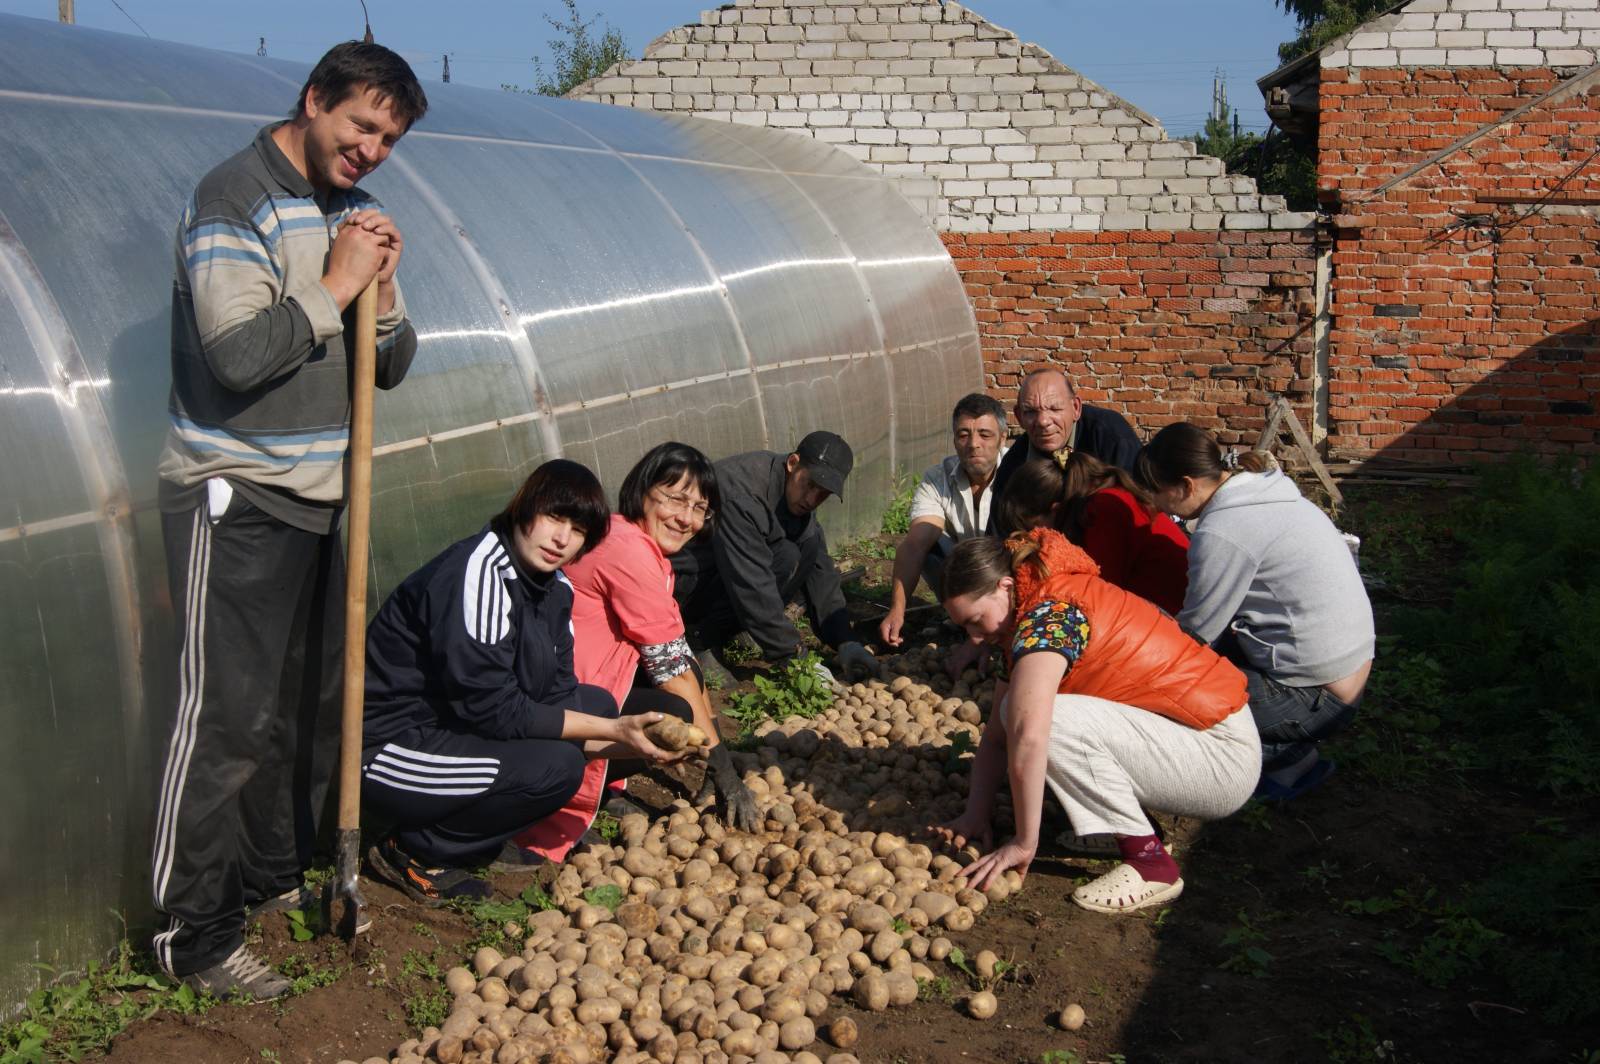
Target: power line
130,18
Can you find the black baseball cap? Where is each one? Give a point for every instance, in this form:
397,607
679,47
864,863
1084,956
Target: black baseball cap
827,458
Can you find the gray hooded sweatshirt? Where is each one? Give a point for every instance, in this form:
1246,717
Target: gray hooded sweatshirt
1268,565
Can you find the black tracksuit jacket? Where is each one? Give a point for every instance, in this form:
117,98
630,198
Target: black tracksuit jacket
472,642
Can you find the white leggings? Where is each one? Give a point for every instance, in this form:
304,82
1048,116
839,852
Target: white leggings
1107,760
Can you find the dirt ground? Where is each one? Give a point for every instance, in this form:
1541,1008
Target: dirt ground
1266,957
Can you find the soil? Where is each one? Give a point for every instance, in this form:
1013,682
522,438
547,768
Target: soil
1179,984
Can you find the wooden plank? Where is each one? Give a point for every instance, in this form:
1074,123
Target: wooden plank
1530,198
1311,456
1269,431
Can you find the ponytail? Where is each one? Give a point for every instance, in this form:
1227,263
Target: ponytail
976,566
1064,485
1184,450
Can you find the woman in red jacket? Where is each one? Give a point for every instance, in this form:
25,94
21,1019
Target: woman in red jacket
1103,510
1104,697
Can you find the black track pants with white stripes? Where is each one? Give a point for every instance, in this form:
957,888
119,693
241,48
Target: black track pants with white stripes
259,606
454,798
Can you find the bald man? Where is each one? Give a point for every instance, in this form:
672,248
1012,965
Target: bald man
1052,416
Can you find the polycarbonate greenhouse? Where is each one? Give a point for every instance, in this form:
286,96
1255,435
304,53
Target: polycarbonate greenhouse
585,281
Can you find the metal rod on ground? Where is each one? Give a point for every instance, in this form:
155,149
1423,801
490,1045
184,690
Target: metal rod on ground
353,919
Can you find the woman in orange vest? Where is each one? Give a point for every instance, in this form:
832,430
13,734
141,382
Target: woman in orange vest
1105,698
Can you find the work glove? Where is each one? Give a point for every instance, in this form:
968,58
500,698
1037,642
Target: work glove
739,809
855,659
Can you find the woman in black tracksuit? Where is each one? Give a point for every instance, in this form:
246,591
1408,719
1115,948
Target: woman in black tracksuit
474,725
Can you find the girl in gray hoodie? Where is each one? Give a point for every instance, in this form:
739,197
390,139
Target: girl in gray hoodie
1274,587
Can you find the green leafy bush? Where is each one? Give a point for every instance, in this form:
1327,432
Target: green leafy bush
1518,645
794,691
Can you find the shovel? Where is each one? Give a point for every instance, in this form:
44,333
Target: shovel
352,918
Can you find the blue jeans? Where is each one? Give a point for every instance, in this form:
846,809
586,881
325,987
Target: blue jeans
1291,720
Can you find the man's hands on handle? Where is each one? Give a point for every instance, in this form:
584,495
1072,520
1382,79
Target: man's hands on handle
739,809
856,660
367,246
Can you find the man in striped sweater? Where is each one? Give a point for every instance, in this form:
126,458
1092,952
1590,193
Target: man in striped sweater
272,251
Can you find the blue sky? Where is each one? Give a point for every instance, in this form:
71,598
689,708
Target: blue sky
1159,54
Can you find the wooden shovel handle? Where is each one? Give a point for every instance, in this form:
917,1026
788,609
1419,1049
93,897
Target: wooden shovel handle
363,370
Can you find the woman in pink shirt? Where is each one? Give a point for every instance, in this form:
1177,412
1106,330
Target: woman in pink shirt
628,633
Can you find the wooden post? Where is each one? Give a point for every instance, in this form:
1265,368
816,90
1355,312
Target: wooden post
65,12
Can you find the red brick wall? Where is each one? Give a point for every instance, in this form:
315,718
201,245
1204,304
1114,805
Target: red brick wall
1456,340
1164,326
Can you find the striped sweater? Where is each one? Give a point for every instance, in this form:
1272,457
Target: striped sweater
260,382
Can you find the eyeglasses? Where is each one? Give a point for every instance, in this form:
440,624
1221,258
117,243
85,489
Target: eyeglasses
672,503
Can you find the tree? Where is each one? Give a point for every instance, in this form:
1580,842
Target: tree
1279,167
1323,20
577,55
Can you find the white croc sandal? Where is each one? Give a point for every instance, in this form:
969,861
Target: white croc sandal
1124,890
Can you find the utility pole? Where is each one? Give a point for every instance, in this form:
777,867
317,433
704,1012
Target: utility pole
261,49
447,68
64,10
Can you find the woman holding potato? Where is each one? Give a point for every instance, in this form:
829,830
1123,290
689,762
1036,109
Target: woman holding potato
1107,700
630,634
474,725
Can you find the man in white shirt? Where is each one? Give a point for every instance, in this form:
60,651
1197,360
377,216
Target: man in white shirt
951,504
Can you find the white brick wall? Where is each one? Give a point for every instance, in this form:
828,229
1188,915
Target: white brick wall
1481,33
1007,136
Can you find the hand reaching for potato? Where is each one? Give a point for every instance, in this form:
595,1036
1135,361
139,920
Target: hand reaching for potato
967,829
739,809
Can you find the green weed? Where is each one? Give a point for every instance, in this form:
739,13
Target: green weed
1060,1056
606,895
428,1002
73,1017
606,825
897,515
306,974
797,691
1249,957
303,925
935,989
1356,1042
741,650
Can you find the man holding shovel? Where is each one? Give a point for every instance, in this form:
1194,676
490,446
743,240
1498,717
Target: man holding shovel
272,251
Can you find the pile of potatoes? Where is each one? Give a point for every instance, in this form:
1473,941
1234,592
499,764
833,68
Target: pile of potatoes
730,947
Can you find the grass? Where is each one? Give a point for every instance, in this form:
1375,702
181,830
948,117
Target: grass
74,1017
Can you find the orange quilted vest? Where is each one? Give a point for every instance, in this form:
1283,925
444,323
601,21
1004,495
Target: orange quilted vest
1136,654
